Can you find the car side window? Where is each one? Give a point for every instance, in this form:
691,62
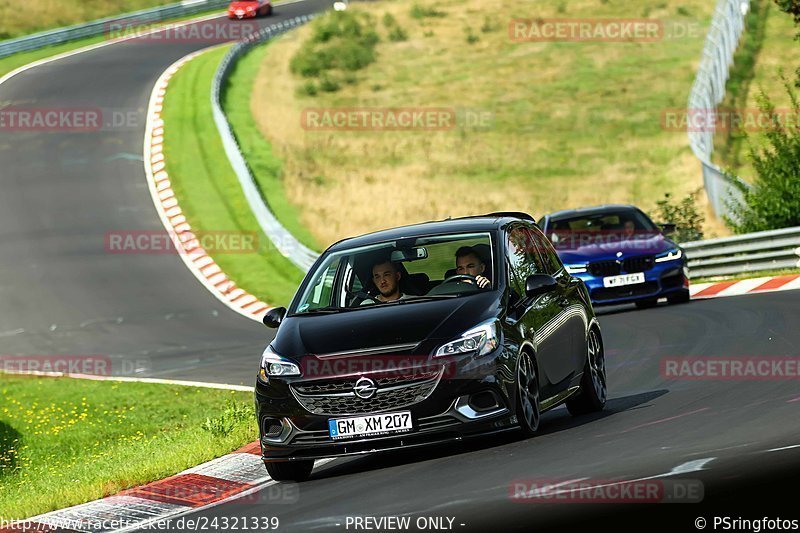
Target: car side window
551,261
523,260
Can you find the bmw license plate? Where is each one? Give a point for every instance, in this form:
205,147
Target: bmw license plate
373,425
625,279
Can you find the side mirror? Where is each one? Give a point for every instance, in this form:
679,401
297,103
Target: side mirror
537,284
274,317
667,229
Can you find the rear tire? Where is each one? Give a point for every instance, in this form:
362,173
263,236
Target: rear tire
647,304
592,395
290,470
529,411
679,298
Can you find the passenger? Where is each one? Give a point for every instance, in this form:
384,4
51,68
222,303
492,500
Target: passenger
386,277
469,262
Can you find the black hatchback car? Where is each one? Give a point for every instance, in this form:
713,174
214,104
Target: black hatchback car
426,334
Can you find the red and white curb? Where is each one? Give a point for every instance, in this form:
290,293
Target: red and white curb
745,286
194,256
231,476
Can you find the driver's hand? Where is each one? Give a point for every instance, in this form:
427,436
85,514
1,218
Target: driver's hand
482,282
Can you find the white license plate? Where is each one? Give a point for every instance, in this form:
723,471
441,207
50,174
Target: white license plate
625,279
361,426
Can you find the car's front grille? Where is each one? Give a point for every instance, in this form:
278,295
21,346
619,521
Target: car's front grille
604,268
337,397
640,263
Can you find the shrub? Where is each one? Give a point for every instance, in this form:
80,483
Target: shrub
688,221
420,12
773,201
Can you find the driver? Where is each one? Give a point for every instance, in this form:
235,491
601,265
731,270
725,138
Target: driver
469,262
386,277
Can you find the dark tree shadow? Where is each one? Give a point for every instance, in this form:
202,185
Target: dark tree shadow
9,440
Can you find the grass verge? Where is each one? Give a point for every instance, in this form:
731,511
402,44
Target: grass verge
22,18
67,441
767,46
571,123
264,164
207,187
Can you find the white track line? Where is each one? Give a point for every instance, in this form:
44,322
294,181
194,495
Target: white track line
91,377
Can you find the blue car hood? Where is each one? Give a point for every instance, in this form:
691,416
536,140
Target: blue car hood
604,248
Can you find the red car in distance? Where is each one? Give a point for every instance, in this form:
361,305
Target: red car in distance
249,9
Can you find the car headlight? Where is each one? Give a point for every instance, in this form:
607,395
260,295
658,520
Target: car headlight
576,269
273,365
671,255
481,339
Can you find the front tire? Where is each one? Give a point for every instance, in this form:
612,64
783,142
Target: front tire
528,409
290,471
593,392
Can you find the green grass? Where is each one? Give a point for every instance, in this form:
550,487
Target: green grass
29,16
67,441
766,47
264,164
570,123
207,188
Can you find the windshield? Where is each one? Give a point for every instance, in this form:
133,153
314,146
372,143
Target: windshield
621,223
397,272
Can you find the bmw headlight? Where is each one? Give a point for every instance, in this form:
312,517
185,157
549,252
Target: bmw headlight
670,255
576,268
481,339
273,365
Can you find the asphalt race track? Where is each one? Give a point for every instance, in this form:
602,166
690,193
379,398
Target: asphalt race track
62,293
62,192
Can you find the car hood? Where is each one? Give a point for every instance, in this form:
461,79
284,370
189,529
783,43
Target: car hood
242,5
605,249
424,324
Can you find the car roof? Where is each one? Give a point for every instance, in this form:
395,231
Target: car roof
489,222
593,210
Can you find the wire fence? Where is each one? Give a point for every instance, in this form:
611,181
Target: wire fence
284,241
708,91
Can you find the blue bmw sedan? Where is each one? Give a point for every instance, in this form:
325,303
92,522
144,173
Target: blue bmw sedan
621,255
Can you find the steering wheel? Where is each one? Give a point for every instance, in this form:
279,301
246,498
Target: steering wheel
460,277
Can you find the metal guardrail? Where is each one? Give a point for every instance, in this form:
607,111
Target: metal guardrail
284,241
100,26
752,252
708,91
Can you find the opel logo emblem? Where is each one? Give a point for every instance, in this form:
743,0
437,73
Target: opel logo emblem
365,388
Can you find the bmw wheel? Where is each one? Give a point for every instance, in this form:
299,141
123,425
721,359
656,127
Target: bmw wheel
593,391
528,408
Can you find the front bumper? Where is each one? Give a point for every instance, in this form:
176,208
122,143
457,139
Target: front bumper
660,281
449,413
240,14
